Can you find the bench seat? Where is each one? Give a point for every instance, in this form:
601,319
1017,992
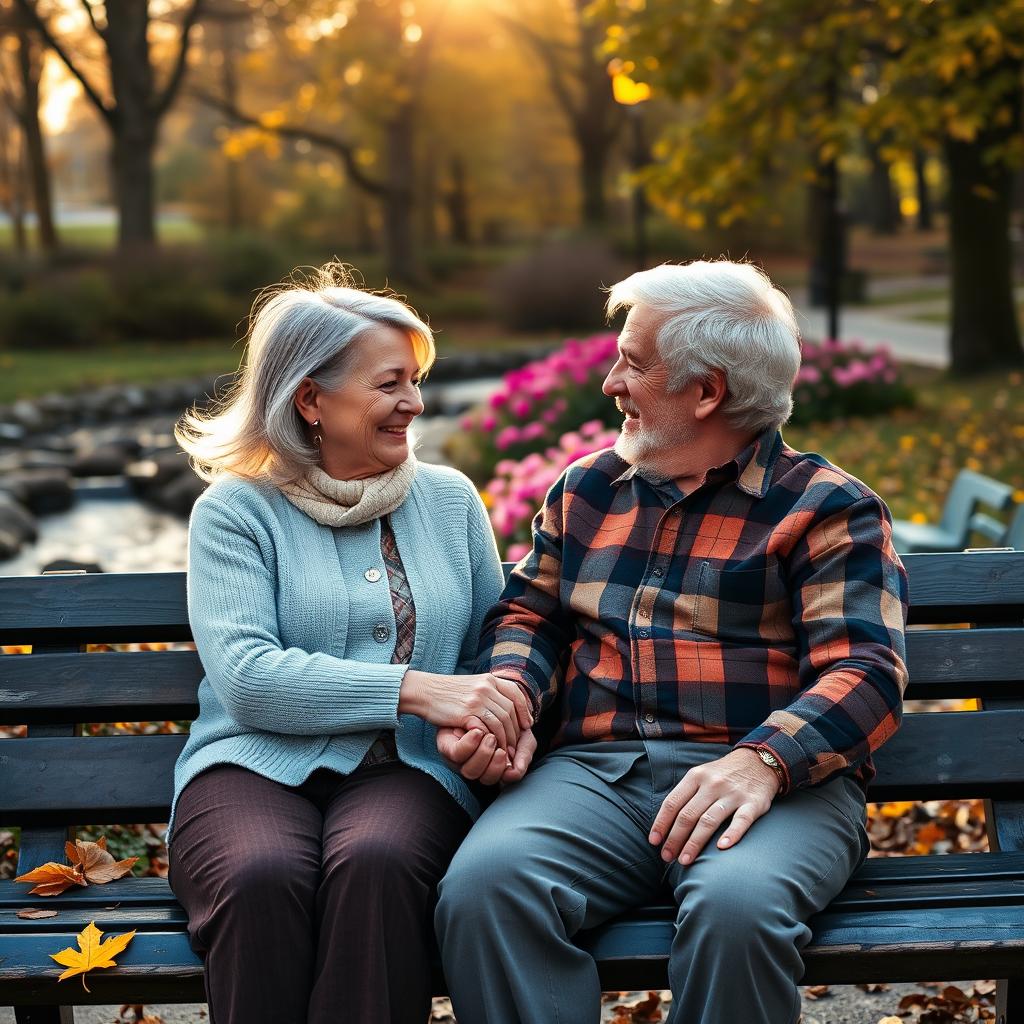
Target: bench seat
886,925
898,919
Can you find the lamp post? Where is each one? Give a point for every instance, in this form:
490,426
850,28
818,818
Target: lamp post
632,95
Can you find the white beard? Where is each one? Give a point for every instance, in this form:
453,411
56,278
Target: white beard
646,448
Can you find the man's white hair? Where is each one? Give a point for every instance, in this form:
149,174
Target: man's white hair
720,315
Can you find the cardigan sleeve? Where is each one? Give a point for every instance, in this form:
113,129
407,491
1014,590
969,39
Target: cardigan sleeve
258,681
487,579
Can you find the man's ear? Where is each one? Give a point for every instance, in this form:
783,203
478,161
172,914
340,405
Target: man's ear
307,400
711,393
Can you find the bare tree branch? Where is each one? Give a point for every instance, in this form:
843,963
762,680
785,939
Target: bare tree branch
548,53
164,101
343,149
92,18
28,8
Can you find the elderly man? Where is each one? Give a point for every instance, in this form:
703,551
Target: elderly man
716,624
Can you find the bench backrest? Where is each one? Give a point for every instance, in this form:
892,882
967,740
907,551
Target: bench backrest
58,778
961,516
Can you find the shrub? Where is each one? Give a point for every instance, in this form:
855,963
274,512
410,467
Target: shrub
556,286
839,379
518,487
178,312
536,404
67,314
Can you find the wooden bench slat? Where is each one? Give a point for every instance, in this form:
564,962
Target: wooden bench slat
156,967
102,687
97,608
139,686
82,780
127,607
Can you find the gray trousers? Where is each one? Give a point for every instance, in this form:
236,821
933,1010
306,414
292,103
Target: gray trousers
567,848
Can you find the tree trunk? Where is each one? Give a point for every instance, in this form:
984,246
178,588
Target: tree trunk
884,206
984,335
596,122
134,191
924,196
29,67
399,204
457,202
135,124
427,203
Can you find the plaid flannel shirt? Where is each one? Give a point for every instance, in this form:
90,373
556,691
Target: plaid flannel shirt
764,609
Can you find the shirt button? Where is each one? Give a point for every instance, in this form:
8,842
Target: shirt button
644,634
372,575
658,572
649,718
381,633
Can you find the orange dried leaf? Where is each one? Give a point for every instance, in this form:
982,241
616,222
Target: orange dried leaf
97,865
91,952
33,914
53,878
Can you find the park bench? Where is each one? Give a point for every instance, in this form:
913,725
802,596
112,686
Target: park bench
961,517
899,919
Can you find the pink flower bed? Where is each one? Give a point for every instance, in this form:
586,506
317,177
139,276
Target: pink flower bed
538,403
839,379
519,485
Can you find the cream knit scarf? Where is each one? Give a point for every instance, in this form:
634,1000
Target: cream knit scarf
350,502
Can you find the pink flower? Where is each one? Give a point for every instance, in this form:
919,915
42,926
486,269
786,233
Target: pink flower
488,423
520,407
506,438
532,431
517,552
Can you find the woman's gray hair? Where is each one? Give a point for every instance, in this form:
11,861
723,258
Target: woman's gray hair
719,315
303,328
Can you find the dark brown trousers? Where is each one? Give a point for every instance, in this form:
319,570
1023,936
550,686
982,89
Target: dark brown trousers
314,904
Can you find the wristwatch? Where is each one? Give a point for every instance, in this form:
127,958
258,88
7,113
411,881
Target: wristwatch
773,762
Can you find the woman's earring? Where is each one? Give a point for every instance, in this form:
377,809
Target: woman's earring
318,438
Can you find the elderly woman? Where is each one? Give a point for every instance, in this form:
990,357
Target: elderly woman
335,589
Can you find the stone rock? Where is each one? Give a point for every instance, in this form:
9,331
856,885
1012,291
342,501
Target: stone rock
28,415
109,460
41,490
16,519
10,545
148,475
11,433
180,494
40,458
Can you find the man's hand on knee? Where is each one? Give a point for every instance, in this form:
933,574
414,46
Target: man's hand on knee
738,786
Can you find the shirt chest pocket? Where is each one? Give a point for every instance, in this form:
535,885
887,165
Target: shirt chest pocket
742,605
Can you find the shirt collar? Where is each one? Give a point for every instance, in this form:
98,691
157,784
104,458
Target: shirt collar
753,466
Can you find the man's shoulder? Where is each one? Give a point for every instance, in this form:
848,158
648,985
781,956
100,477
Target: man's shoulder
598,469
815,482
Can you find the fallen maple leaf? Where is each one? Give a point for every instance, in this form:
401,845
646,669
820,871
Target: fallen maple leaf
95,863
32,914
91,953
53,878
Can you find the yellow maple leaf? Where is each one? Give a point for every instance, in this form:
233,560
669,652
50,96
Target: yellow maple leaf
91,953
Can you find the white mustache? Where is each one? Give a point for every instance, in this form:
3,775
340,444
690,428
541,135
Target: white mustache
625,409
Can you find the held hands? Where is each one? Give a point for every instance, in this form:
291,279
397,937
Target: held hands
476,755
483,703
739,785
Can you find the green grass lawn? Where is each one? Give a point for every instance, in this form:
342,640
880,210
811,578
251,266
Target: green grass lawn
103,236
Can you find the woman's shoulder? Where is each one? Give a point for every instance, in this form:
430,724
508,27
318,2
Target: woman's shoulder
243,496
444,482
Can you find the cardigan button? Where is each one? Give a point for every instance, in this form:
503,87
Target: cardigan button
372,575
381,633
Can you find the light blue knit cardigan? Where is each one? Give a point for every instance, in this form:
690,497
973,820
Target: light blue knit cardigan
296,637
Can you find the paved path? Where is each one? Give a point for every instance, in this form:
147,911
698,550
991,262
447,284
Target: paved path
909,340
